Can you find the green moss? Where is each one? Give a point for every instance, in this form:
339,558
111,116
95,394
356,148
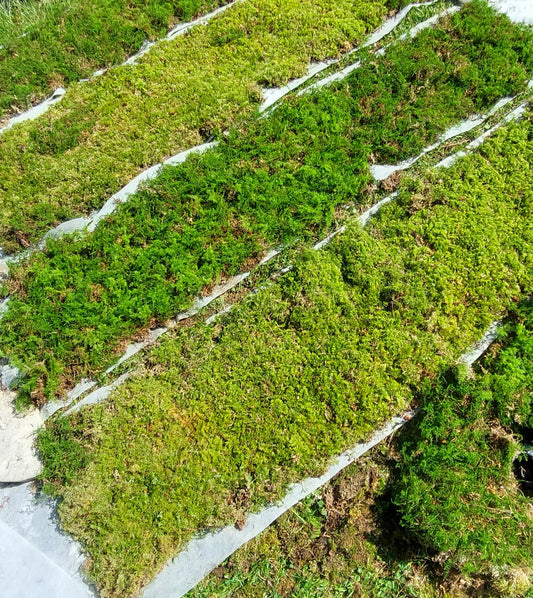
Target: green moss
450,473
60,42
279,179
447,73
108,130
455,487
322,548
303,369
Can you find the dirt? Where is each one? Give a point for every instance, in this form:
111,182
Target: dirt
392,182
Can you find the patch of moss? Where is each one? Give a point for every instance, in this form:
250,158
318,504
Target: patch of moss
301,370
276,180
45,45
455,488
108,130
449,471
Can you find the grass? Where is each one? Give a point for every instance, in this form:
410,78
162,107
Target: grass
73,306
108,130
225,417
55,43
16,16
450,473
325,547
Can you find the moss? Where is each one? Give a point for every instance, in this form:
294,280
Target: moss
108,130
276,180
449,471
455,488
301,370
44,45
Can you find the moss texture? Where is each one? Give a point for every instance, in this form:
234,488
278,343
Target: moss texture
299,371
108,130
278,179
55,43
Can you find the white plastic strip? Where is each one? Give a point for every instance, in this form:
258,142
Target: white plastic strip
516,114
148,175
413,32
40,574
35,111
180,29
99,395
58,94
363,220
54,558
477,350
520,11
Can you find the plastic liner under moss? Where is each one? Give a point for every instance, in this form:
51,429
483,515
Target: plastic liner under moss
225,418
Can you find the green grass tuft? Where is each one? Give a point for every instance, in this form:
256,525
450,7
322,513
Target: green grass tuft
58,42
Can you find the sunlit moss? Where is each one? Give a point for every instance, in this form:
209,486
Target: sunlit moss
299,371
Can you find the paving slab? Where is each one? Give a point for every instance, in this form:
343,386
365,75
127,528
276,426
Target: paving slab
19,461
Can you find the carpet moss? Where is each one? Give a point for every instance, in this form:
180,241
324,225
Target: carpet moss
224,417
44,45
461,526
108,130
73,306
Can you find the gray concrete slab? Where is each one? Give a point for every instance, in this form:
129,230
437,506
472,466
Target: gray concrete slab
25,572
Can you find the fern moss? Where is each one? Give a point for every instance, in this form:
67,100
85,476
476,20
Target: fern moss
44,45
108,130
455,488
